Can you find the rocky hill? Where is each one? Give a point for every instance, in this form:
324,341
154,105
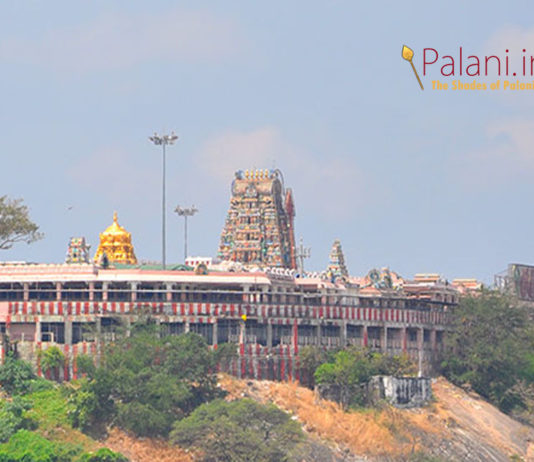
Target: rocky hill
456,426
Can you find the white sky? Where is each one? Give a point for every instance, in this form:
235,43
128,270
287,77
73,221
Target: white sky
417,181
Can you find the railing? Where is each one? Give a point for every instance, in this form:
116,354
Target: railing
215,297
248,338
305,340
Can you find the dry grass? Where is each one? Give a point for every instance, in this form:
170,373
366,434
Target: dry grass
391,432
144,449
371,433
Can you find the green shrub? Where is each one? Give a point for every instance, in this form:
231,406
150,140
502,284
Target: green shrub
240,430
16,375
353,367
143,419
39,384
103,455
13,417
89,405
85,365
25,446
310,358
52,359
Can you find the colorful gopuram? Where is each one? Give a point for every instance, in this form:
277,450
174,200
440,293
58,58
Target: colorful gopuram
78,251
337,268
115,245
259,226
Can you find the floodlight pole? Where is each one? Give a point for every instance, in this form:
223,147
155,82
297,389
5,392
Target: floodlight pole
185,212
163,141
302,253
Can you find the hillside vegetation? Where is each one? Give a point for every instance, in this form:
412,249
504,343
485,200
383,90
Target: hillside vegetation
157,397
490,350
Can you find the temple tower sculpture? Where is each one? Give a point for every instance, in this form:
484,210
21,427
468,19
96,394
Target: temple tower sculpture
78,251
116,245
336,267
259,225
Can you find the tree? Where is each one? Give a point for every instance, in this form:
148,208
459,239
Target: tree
343,377
146,382
16,376
15,224
310,358
52,359
86,365
238,431
489,348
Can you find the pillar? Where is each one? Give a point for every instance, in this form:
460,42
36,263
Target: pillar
98,322
344,333
420,351
104,291
168,293
384,339
128,325
37,330
295,338
215,333
91,291
133,292
25,291
269,334
158,327
246,291
187,328
365,337
404,339
68,331
242,332
58,291
242,365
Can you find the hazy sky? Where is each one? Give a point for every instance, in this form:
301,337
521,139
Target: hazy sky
417,181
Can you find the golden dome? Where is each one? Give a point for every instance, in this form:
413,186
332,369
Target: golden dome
115,229
116,243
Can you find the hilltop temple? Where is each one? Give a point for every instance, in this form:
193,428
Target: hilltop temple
115,245
259,226
261,305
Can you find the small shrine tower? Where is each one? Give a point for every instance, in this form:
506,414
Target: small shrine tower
336,267
116,244
259,225
78,251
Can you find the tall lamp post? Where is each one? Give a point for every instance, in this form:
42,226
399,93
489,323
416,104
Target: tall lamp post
185,212
163,141
301,254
